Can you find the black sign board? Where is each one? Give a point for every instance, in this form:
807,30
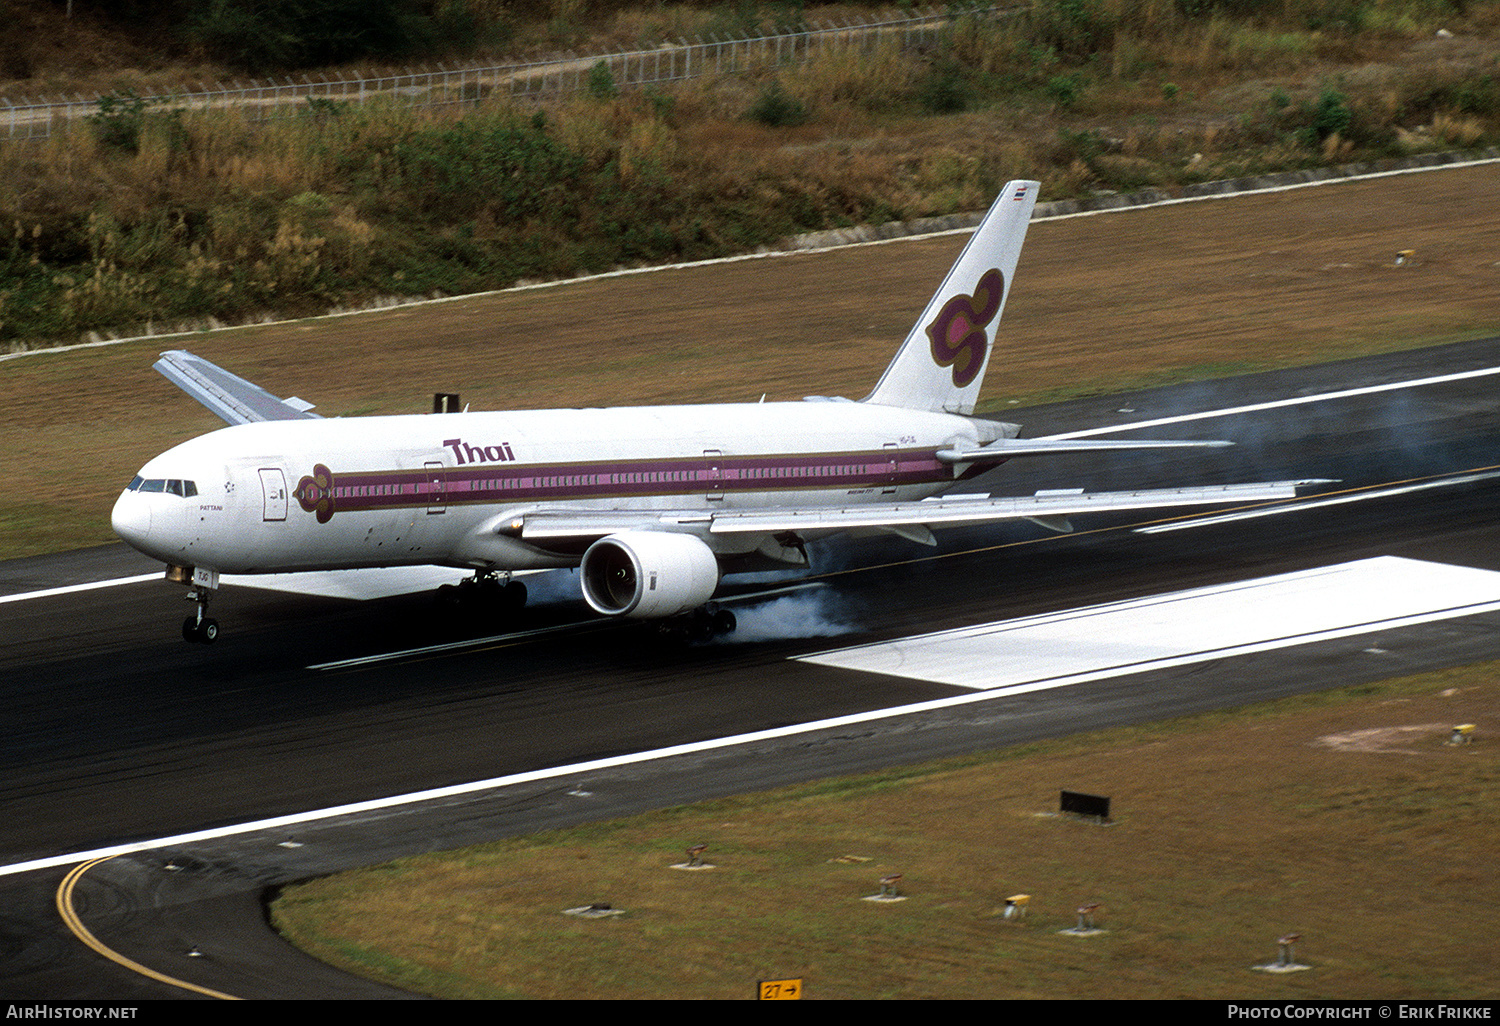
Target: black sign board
1092,805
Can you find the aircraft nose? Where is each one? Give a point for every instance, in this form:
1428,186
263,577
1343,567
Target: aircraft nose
131,519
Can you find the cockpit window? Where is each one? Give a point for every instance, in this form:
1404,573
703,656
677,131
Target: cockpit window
186,489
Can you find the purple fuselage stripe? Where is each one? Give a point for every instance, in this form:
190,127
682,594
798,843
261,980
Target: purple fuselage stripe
489,483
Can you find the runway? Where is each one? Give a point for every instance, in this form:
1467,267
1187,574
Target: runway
120,733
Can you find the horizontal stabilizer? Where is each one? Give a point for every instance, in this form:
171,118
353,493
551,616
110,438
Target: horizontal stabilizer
228,396
1006,448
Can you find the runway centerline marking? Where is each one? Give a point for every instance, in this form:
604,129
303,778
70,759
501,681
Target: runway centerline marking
1180,628
467,645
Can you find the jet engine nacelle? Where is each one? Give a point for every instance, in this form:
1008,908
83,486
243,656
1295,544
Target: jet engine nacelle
648,574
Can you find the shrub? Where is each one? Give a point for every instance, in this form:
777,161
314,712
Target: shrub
512,172
601,82
1328,115
119,120
945,91
778,109
1063,89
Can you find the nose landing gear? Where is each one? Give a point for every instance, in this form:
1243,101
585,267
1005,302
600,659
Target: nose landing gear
199,627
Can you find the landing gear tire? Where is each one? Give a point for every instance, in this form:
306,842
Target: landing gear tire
205,631
705,624
476,600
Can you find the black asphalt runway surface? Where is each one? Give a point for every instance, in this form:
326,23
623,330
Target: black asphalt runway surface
118,732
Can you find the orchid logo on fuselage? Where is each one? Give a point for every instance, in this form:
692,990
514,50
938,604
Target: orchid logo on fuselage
315,493
958,330
464,453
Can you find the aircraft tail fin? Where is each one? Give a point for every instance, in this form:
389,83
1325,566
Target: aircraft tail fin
940,367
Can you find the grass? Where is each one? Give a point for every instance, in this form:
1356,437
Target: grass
1321,814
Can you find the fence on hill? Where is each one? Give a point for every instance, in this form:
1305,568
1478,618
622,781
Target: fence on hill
570,73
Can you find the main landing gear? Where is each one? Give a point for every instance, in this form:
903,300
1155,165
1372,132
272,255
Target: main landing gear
703,624
485,592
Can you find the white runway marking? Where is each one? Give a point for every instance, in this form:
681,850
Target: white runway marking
1278,404
71,588
1098,642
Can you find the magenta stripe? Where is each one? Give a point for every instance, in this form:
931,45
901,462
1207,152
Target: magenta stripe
508,482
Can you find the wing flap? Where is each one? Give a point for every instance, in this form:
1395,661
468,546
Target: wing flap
228,396
966,510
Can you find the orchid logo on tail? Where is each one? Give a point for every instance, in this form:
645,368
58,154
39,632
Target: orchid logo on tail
957,332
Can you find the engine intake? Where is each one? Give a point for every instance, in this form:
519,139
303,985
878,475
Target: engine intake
648,574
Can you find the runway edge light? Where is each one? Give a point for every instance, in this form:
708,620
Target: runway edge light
1286,961
695,859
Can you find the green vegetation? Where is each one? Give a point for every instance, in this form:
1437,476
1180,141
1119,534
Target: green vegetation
1341,815
146,213
260,38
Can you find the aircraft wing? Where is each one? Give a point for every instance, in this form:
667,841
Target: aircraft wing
911,519
229,396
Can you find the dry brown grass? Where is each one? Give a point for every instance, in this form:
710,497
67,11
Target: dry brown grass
1231,829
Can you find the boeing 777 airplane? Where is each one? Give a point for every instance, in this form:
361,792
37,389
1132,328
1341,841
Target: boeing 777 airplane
652,504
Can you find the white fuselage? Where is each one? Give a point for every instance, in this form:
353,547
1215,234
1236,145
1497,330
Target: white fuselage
386,491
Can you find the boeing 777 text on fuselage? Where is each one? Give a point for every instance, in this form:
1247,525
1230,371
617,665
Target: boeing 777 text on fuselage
652,504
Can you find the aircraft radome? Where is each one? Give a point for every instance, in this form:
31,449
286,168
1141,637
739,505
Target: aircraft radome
652,504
